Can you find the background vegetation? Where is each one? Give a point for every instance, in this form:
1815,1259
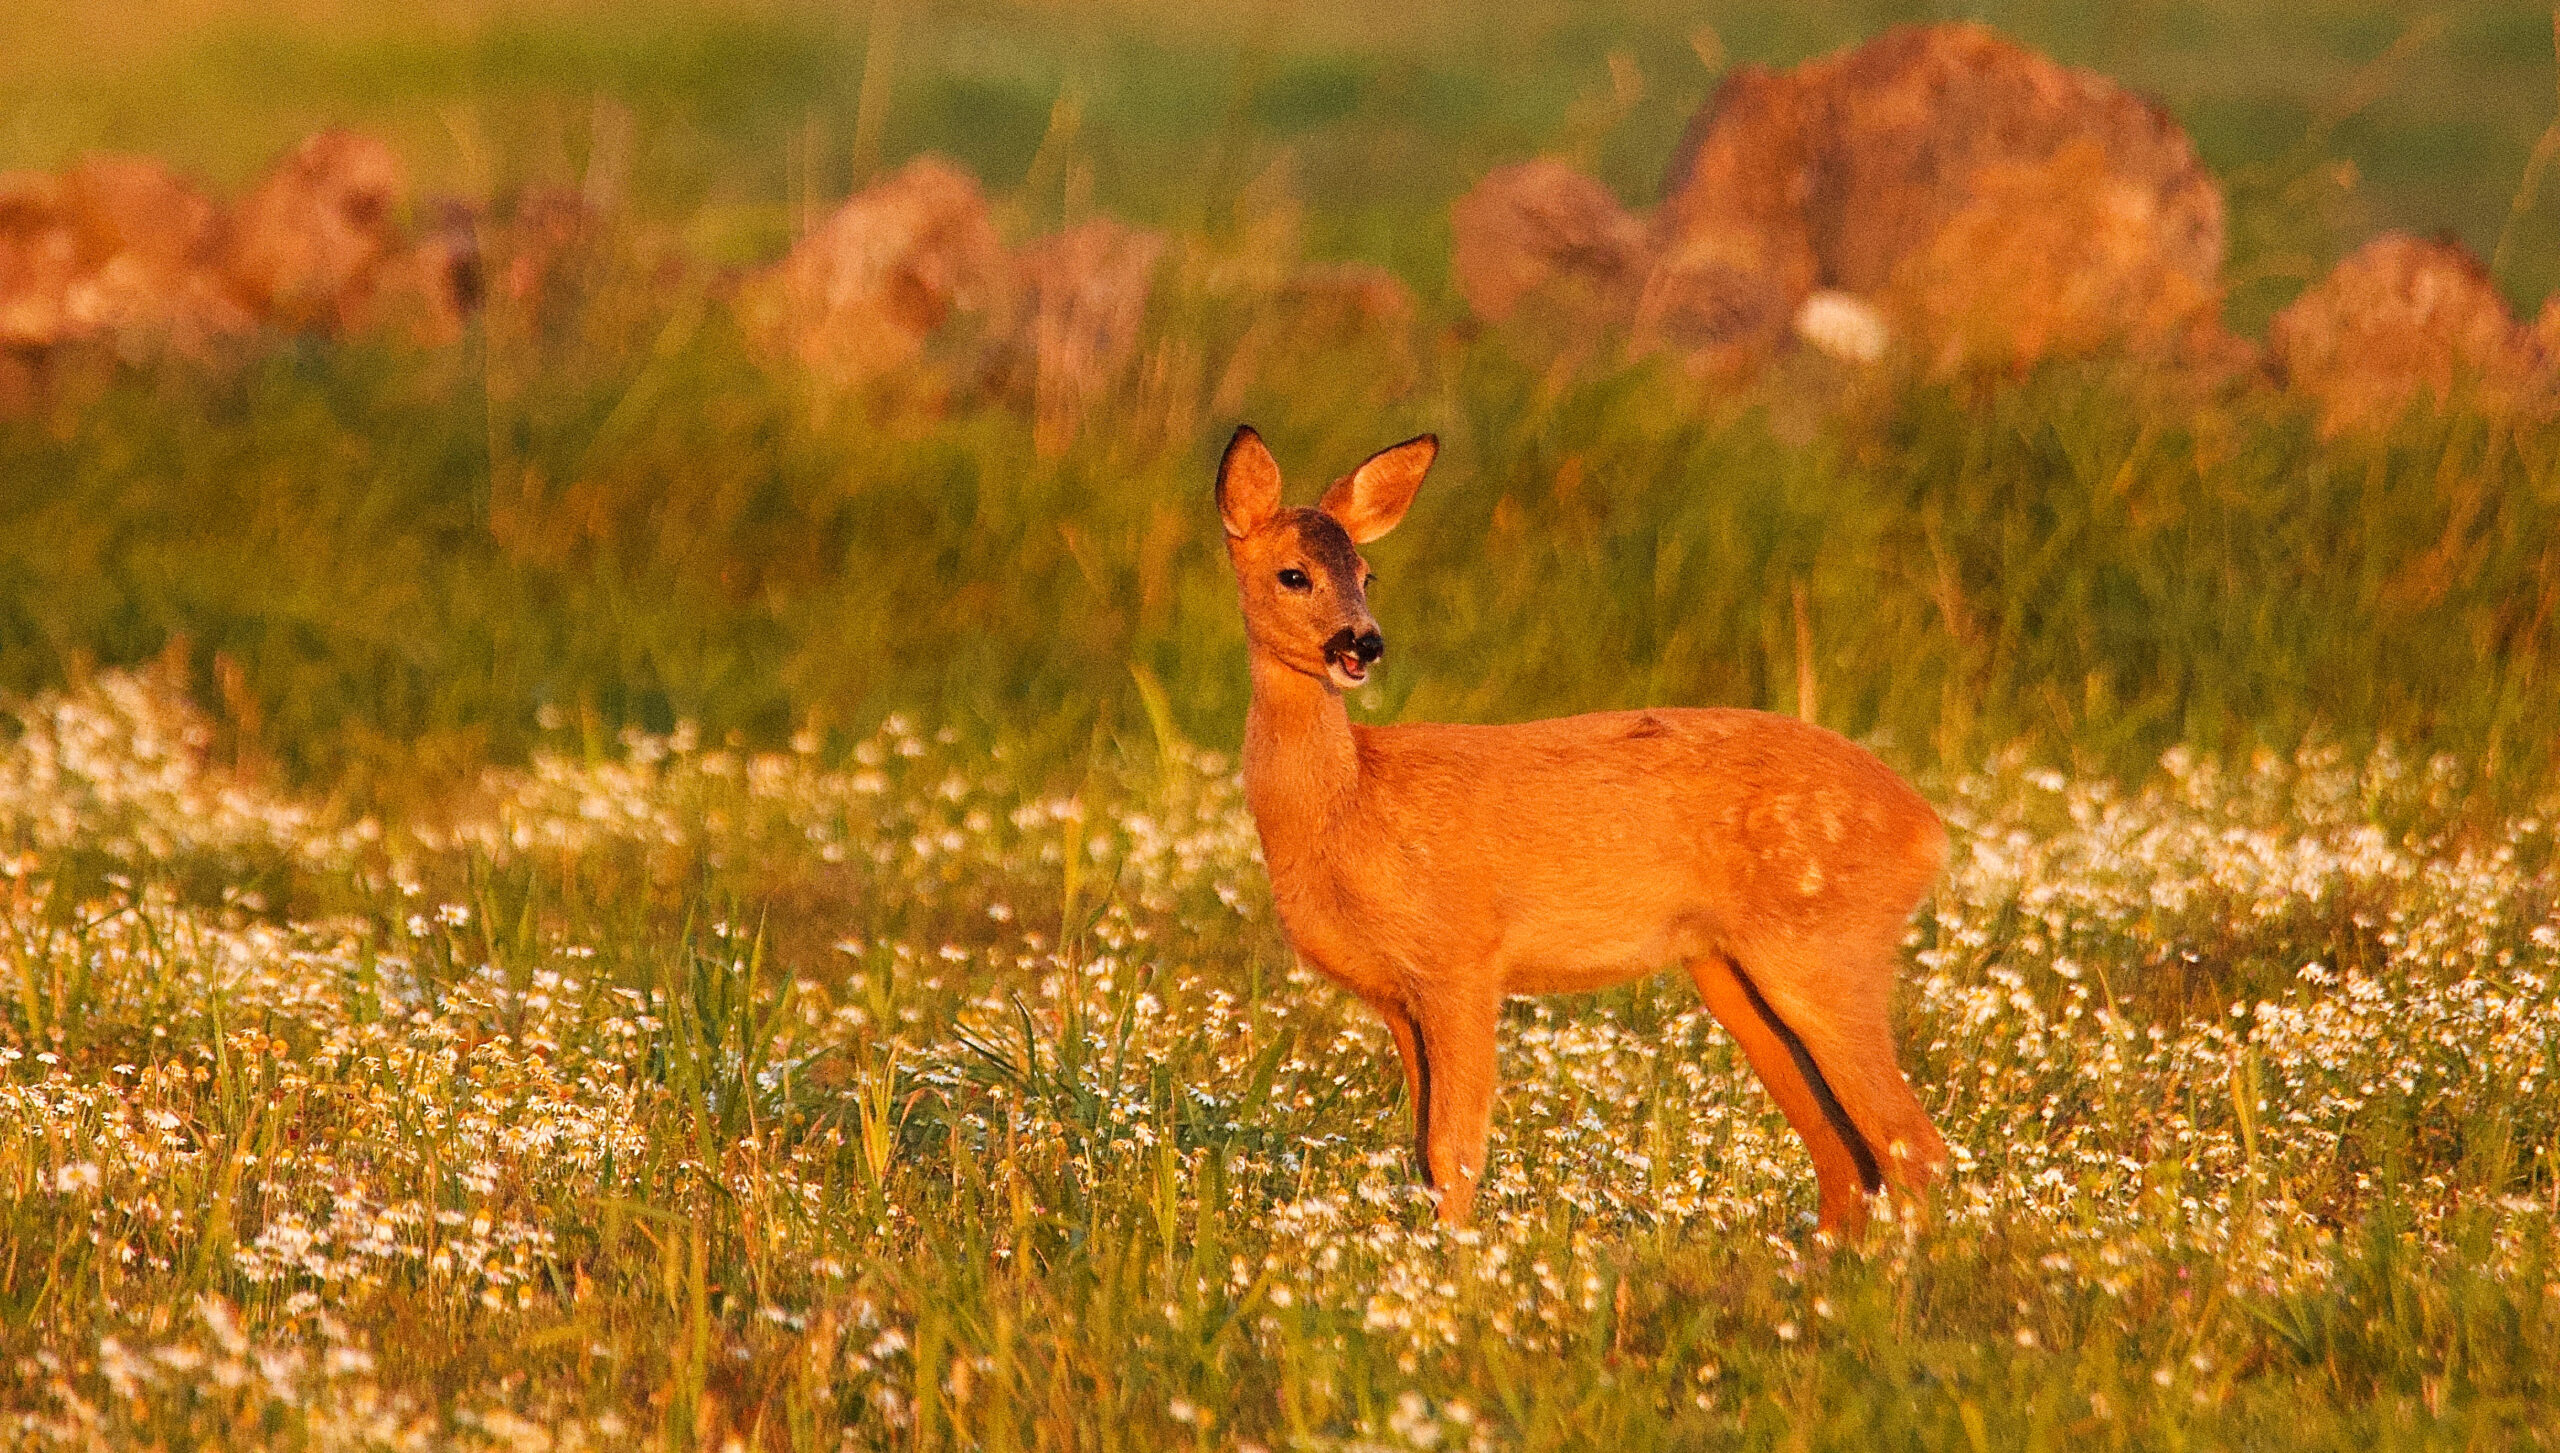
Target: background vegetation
401,560
631,905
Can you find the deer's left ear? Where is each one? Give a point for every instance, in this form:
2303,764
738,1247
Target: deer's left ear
1372,498
1248,484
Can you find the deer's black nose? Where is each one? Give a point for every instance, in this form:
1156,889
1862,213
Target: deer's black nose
1362,646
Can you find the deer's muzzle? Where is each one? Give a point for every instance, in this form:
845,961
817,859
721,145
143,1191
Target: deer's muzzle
1350,654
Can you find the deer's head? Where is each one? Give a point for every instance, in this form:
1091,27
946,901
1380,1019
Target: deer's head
1304,586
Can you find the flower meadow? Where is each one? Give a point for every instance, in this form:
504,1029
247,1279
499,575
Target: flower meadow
569,881
872,1094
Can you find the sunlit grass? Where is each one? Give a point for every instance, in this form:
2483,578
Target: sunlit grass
382,587
542,1128
563,892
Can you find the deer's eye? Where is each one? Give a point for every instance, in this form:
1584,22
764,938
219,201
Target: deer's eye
1295,579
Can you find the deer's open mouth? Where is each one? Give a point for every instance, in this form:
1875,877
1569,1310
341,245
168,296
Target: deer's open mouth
1350,654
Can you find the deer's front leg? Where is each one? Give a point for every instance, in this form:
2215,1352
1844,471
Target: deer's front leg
1457,1050
1417,1081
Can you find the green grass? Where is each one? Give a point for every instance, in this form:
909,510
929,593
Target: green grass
403,570
404,559
624,907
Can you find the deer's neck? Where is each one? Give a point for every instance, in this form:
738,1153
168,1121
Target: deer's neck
1301,768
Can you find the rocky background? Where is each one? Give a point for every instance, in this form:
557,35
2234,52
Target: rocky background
1938,201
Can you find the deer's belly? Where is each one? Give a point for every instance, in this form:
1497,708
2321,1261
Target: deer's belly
1573,953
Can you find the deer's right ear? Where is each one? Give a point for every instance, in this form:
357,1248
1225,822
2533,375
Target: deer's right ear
1248,484
1372,498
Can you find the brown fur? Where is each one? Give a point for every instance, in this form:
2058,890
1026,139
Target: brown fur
1434,870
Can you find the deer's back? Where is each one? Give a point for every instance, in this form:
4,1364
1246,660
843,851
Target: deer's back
1587,848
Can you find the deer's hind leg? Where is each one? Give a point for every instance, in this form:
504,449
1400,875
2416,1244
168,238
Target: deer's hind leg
1844,1165
1836,998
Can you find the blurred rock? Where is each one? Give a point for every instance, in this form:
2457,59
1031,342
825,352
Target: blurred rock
117,250
2061,257
156,244
121,252
40,259
1541,237
428,293
857,298
1079,298
1733,252
314,238
1911,119
2402,316
1998,207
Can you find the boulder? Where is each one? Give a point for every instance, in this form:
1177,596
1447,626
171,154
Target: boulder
1909,122
2062,257
1732,254
117,250
316,236
40,260
2402,317
858,298
1994,207
1079,298
157,245
1542,237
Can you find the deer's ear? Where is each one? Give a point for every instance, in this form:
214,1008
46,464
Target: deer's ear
1370,499
1248,484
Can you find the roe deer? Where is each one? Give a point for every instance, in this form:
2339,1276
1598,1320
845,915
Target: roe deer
1434,870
